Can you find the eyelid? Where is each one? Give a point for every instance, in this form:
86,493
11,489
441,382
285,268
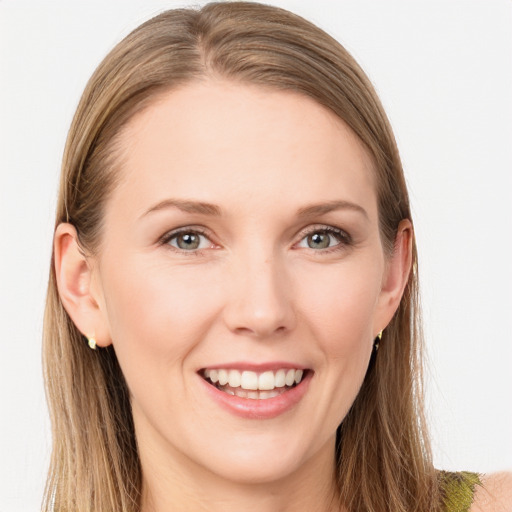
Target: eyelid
169,235
344,238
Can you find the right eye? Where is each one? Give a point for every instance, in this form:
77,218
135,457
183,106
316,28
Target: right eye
187,240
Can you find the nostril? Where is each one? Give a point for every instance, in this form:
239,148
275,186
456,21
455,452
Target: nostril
261,330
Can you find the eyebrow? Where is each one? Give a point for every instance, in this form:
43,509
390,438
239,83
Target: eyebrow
202,208
323,208
186,206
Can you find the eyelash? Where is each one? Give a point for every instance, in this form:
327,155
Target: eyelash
166,239
344,239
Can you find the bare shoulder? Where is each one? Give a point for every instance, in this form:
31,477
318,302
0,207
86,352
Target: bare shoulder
495,493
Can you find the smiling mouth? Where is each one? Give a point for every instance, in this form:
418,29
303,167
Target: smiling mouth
254,385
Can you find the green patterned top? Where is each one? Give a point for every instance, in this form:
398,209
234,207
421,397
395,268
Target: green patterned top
458,490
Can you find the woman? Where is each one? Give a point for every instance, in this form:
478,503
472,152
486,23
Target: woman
232,315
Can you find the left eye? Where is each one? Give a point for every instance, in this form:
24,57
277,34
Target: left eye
189,241
321,239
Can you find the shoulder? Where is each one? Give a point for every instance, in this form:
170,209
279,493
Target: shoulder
494,494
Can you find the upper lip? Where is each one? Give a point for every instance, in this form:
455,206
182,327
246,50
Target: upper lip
255,367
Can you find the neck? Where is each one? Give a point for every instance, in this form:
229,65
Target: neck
176,483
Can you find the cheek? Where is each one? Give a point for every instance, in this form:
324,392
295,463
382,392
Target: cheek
340,304
157,314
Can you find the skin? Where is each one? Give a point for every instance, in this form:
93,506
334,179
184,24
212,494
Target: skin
254,291
495,494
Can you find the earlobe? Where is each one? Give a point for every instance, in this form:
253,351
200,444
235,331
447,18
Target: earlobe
397,273
74,278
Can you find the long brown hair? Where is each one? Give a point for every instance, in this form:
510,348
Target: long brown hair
382,451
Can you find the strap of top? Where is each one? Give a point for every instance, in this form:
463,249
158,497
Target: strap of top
458,490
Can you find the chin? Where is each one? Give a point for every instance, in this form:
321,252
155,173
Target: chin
260,469
258,459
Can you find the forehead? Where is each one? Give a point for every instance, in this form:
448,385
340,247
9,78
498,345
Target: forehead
241,145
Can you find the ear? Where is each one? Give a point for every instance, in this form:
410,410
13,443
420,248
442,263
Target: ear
74,274
396,275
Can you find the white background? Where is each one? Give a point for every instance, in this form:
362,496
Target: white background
443,70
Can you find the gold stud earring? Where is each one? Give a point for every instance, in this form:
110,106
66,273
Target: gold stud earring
377,340
92,343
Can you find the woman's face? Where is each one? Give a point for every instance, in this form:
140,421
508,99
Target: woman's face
241,243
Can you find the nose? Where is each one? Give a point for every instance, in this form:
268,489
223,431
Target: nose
259,300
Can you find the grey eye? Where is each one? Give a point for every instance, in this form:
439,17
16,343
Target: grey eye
321,239
189,241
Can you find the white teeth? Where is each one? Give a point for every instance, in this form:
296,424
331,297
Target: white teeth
290,377
249,380
234,378
279,380
254,395
266,381
252,381
223,377
242,393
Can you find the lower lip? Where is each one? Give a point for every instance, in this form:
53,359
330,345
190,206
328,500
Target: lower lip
259,409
